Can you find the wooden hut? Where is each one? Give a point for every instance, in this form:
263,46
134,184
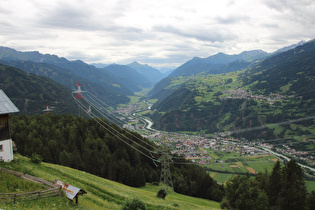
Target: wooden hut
6,144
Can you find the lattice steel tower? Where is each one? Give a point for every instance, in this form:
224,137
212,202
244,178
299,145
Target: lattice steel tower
166,176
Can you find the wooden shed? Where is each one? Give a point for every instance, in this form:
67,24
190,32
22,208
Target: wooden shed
6,144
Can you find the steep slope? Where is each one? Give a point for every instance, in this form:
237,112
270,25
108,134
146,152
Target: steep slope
105,150
216,64
78,67
101,193
291,72
129,77
280,89
68,79
152,74
284,49
30,93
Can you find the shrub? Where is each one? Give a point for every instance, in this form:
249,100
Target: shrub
134,204
175,205
155,183
161,194
36,158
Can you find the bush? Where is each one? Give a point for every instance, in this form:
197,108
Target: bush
175,205
161,194
36,158
134,204
155,183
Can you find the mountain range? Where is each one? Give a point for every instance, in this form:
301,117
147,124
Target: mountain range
276,88
215,64
113,83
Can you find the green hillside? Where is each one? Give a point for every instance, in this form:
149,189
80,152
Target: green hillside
68,79
101,193
104,79
30,93
275,98
215,64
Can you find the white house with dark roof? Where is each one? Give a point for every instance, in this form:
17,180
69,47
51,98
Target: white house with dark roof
6,144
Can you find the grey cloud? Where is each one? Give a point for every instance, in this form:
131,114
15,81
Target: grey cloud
202,34
66,16
299,8
232,19
270,26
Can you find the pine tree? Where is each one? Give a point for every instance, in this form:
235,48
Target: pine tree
275,184
293,193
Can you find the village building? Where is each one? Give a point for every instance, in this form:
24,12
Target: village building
6,144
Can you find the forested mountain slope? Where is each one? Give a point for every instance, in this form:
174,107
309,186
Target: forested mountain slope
79,68
107,151
129,77
280,89
30,93
68,79
291,72
215,64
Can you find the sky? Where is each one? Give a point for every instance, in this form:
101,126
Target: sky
161,33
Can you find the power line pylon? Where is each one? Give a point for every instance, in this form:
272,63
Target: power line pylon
166,176
79,91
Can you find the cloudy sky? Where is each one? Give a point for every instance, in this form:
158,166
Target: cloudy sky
155,32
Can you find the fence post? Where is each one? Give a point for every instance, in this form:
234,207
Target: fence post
60,191
14,199
39,194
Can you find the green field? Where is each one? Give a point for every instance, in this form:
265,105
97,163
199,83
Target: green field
235,162
101,193
238,163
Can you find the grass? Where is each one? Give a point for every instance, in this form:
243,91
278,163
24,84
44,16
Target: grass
258,163
310,185
12,184
101,193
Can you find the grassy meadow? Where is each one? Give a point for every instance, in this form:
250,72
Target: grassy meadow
101,193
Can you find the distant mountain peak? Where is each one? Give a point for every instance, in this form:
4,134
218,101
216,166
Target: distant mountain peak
149,72
301,43
137,64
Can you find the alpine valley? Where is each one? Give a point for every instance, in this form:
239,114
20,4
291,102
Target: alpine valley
236,111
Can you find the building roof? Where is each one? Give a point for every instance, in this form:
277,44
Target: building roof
6,105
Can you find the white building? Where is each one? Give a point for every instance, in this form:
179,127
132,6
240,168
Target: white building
6,144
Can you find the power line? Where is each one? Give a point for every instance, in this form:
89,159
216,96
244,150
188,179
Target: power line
98,110
100,122
286,138
267,126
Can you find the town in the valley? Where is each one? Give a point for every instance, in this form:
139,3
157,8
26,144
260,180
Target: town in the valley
197,148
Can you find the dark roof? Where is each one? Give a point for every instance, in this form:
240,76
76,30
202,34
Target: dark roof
6,105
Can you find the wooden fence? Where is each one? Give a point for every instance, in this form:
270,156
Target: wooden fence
51,188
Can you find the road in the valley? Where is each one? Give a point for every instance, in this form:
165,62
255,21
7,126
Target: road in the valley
149,124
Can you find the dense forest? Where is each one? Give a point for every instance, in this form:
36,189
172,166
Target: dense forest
283,188
30,93
84,144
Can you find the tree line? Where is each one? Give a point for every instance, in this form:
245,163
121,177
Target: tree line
284,188
83,144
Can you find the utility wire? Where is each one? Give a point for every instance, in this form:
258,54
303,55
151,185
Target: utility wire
100,122
99,111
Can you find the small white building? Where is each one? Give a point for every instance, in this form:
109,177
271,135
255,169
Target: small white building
6,144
